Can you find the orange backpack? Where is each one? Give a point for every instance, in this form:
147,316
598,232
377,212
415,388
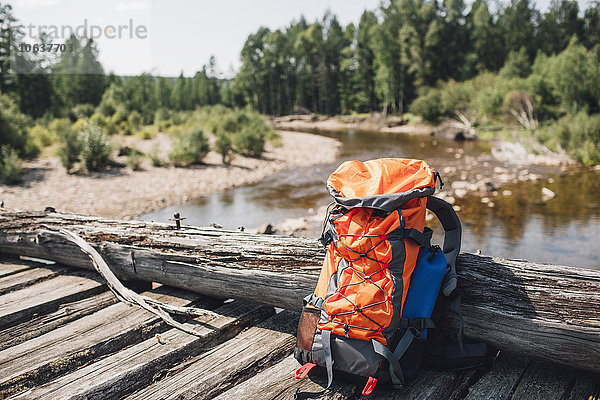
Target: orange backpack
374,233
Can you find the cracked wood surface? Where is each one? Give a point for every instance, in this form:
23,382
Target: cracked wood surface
135,367
228,364
42,358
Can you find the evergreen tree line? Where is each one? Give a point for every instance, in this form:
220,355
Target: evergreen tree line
69,83
381,63
432,57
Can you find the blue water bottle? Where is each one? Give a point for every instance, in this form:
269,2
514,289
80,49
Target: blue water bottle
425,284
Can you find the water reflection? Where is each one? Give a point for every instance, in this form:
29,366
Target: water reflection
563,230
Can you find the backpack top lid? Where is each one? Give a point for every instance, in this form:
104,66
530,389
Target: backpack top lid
383,184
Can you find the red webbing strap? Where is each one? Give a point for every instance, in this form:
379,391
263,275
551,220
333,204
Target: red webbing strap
371,383
304,370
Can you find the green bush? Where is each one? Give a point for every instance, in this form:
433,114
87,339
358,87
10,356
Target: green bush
190,147
243,131
488,93
135,120
517,64
155,157
272,137
579,134
223,146
107,124
14,129
162,119
546,103
42,136
96,148
113,98
58,126
428,105
456,96
135,159
572,78
124,128
11,171
249,141
147,132
100,120
82,111
120,115
70,148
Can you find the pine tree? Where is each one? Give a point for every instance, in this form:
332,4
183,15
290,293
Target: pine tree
518,20
485,38
558,25
365,59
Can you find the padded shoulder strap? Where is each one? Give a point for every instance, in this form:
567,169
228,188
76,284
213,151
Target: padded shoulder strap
452,238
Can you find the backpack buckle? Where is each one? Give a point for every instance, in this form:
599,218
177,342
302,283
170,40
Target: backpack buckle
326,238
438,177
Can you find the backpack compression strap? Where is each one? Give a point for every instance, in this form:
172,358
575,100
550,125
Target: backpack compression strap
452,236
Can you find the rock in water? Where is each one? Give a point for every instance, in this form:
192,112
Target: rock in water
547,194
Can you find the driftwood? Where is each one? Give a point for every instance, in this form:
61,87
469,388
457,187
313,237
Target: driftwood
535,309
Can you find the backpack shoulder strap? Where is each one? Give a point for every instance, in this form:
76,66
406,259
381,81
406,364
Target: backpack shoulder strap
452,237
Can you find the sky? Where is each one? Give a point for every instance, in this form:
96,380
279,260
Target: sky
169,37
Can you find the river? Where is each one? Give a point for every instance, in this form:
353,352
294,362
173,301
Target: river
563,230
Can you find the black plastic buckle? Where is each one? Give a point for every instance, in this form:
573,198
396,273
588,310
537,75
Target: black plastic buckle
418,323
326,238
437,175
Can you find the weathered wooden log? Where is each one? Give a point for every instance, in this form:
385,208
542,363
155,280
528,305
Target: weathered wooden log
536,309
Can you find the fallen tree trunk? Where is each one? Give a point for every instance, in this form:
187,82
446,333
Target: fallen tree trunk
541,310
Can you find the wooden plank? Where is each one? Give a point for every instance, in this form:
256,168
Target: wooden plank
11,265
500,382
465,380
54,353
46,297
278,383
543,380
428,385
136,366
536,309
42,323
586,386
27,277
231,362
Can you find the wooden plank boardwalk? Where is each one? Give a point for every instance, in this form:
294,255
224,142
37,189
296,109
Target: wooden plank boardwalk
63,335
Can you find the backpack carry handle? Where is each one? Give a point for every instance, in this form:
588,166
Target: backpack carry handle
452,237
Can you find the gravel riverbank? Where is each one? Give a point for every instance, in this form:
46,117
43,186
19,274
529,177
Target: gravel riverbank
124,194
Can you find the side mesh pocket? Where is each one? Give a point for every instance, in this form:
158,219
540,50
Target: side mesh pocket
306,334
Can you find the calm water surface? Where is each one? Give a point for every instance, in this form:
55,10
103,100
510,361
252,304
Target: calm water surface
564,230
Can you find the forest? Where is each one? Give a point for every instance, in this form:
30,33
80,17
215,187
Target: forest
491,63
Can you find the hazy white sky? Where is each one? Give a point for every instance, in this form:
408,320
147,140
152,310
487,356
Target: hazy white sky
182,34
